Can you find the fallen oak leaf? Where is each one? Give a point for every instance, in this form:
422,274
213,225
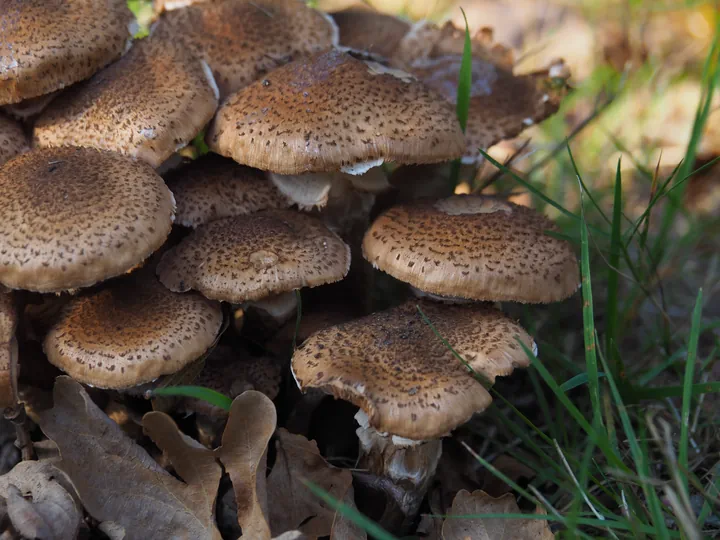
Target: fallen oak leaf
116,479
480,528
344,528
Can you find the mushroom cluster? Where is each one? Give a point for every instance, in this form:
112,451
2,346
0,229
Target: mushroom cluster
303,114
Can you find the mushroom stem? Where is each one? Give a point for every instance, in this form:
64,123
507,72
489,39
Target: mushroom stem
409,465
17,416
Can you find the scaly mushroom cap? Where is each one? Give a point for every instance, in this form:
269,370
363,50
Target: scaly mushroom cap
247,258
12,139
28,108
213,187
368,30
334,112
75,216
473,246
8,347
46,45
399,372
147,105
242,40
131,333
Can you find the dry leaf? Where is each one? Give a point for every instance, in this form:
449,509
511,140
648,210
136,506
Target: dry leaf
479,502
294,505
38,504
510,467
343,528
243,452
8,350
118,481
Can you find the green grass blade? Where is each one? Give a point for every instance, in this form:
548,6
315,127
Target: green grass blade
663,392
611,310
462,106
577,381
198,392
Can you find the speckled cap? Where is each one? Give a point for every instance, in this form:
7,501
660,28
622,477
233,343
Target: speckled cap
75,216
241,41
247,258
476,247
392,365
46,45
8,347
131,333
334,112
147,105
213,187
365,29
12,139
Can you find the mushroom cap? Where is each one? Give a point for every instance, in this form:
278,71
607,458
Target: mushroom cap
8,347
245,258
46,45
28,108
131,332
151,102
75,216
12,139
473,246
334,112
369,30
392,365
241,41
213,187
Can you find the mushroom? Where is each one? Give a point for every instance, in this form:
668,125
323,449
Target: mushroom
12,139
131,332
475,247
76,216
368,30
213,187
241,41
334,112
8,350
29,108
410,388
147,105
50,44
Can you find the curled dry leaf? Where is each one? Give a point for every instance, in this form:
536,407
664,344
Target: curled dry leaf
479,502
294,505
118,481
244,452
38,504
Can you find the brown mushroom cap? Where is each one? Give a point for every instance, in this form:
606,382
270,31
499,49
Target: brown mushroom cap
473,246
46,45
75,216
8,348
12,139
131,333
334,112
213,187
365,29
399,372
247,258
242,40
28,108
147,105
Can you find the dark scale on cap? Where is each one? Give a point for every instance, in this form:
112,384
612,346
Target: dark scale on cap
147,105
131,333
476,247
214,187
250,257
365,29
12,139
400,373
331,112
75,216
241,41
8,322
46,45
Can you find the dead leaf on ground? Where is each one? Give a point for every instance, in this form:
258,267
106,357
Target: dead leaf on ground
511,468
38,504
294,505
479,502
343,528
251,423
118,481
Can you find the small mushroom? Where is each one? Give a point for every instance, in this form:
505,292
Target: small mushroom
247,258
408,384
368,30
213,187
12,139
241,41
76,216
131,332
334,112
147,105
475,247
47,45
